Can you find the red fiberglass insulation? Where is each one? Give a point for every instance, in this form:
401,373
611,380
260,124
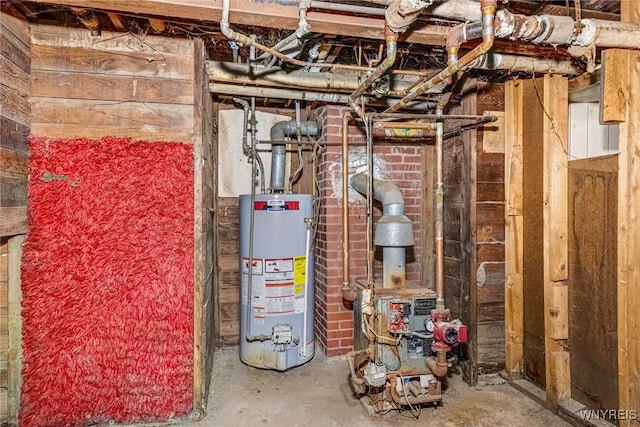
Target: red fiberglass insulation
107,282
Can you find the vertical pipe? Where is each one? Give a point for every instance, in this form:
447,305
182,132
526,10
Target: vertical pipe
307,250
439,213
367,123
348,293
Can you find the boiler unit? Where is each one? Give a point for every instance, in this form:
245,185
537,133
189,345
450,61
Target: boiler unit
276,328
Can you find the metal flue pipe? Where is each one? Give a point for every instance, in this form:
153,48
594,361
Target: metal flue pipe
279,149
488,37
394,230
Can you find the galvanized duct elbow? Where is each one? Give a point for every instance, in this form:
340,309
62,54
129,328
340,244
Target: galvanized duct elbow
394,231
279,149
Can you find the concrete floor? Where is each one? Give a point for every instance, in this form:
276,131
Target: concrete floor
318,394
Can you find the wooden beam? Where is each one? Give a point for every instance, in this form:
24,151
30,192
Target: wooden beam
266,14
627,79
115,20
157,25
555,103
199,349
15,328
514,320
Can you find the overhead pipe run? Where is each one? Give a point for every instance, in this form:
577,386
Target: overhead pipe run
560,30
399,16
488,8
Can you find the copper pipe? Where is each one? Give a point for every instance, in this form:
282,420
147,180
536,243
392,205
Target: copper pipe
488,36
348,291
438,365
392,49
407,125
406,400
439,211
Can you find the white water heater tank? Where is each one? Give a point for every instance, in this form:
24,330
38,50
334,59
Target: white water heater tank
276,316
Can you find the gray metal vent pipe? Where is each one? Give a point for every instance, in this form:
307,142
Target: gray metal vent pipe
279,149
394,231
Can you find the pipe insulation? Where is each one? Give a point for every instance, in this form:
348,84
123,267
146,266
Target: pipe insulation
279,151
560,30
394,230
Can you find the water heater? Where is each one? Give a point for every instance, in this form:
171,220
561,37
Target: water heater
276,316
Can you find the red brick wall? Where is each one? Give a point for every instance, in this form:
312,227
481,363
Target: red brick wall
398,163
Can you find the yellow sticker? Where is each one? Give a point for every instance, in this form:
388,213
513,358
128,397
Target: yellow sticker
299,267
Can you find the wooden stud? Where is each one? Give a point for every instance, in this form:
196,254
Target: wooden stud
157,25
627,79
555,104
15,328
115,20
514,320
199,243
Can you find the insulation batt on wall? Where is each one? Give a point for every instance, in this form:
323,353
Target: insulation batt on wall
107,282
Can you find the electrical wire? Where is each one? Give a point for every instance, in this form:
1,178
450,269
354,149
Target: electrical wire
414,412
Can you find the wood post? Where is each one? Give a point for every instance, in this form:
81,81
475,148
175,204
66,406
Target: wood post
555,103
15,328
621,102
536,133
514,321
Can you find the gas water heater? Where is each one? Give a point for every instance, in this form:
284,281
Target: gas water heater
276,327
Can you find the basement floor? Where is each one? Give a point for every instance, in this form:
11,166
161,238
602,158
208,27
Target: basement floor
318,394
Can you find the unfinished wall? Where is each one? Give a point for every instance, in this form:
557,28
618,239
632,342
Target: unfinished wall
15,67
116,84
151,89
593,340
474,231
490,225
398,163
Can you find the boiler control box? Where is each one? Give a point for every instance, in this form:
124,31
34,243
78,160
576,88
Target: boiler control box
406,319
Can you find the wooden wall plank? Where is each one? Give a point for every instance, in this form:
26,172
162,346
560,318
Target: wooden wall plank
13,162
11,75
18,28
14,220
514,291
15,119
593,207
137,133
15,105
532,233
153,46
112,113
78,59
14,49
55,84
13,135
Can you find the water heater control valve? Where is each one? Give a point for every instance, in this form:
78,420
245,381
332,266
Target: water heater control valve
282,334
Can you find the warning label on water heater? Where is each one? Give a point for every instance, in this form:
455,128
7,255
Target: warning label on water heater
277,286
